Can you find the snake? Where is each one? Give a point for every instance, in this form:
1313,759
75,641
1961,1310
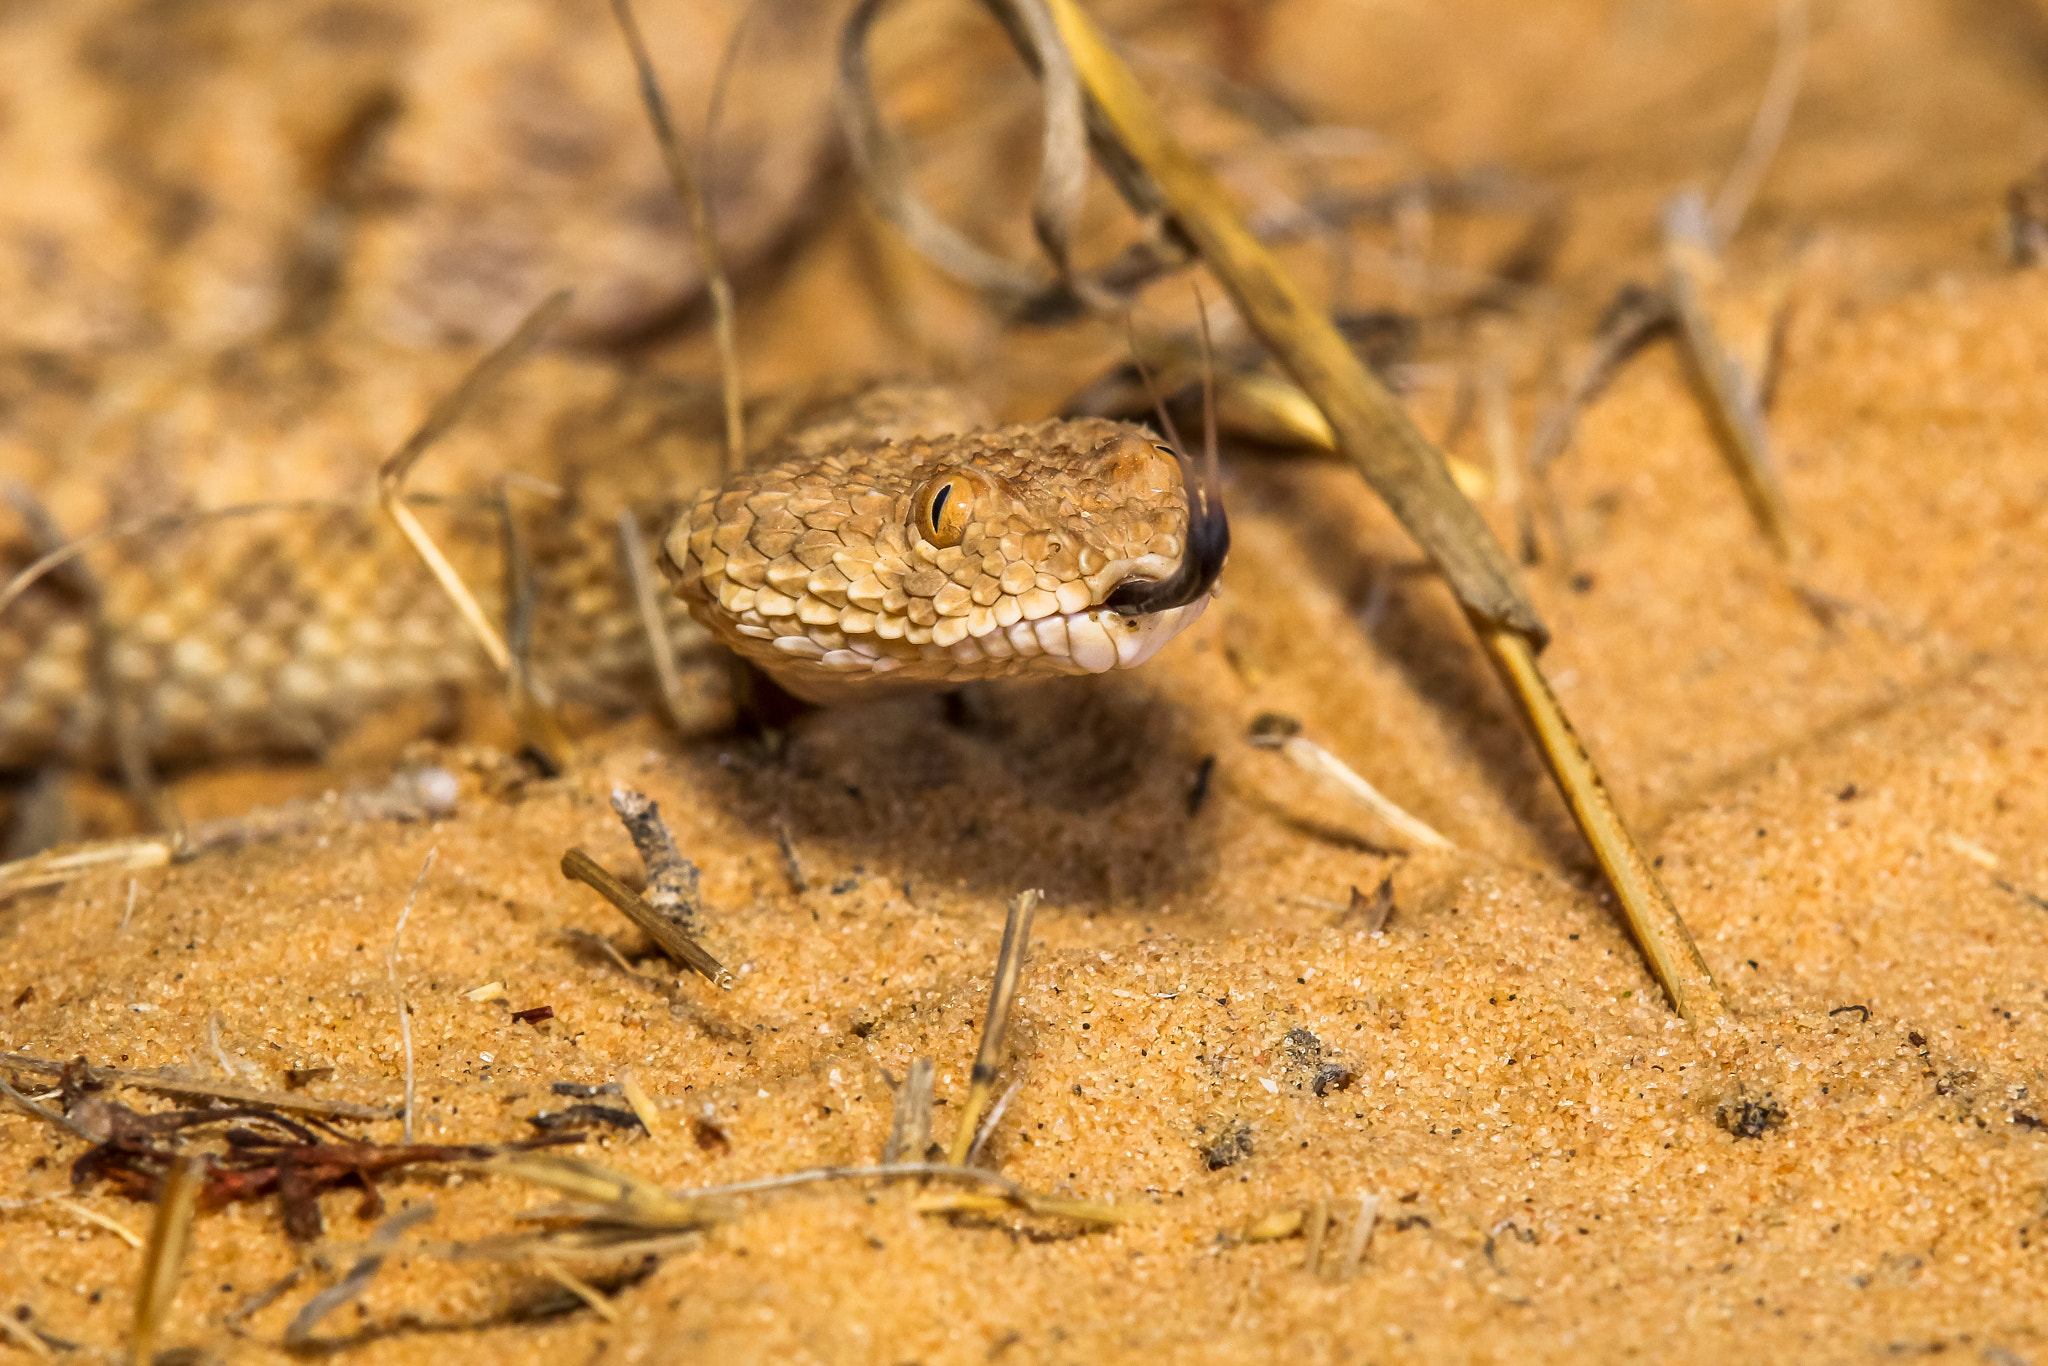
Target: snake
886,540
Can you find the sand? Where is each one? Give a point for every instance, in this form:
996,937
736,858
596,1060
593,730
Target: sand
1846,805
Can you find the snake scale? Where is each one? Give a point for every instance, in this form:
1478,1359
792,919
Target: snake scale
888,538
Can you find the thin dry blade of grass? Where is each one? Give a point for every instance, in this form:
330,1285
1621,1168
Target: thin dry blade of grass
1407,471
174,1085
392,474
1731,396
910,1120
1002,995
398,988
170,1233
689,187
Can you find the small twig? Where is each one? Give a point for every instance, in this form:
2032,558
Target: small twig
689,188
579,866
910,1119
170,1233
398,992
48,1116
1002,995
672,880
1635,317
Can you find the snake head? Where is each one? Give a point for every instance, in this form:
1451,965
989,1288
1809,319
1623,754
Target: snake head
1060,547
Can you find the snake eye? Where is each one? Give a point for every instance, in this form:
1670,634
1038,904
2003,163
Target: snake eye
943,507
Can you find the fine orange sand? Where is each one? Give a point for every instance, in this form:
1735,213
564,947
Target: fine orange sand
1846,804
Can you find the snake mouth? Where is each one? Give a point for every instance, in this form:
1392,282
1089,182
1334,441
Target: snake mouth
1208,544
1094,641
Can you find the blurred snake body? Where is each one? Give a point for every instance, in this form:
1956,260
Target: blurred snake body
888,542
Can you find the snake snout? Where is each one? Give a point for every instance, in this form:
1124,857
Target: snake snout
1201,561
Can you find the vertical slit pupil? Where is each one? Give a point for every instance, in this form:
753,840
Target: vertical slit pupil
939,503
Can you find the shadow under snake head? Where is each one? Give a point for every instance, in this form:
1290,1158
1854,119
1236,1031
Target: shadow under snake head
1061,547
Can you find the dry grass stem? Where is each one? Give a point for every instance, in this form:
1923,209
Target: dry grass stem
1376,434
607,1196
690,190
1372,429
995,1117
1358,1237
398,991
1002,995
44,1113
1767,128
1014,1193
1318,1229
1666,943
792,866
93,1216
173,1084
643,1104
1311,757
910,1120
170,1233
1732,398
26,1339
530,700
579,866
581,1289
1636,317
391,476
53,867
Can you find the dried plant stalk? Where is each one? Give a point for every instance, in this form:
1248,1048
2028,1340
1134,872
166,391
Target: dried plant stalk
1002,995
689,188
1376,434
579,866
1652,917
170,1233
